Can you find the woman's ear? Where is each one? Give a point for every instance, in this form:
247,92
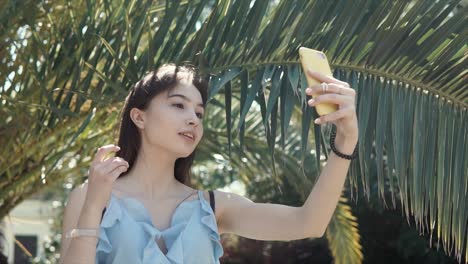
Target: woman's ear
137,117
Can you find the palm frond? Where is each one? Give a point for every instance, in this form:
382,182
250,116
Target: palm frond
342,233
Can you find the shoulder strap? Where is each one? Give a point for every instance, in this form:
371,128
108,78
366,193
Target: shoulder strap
103,211
212,203
212,200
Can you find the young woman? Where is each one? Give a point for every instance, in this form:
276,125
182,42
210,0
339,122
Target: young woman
139,206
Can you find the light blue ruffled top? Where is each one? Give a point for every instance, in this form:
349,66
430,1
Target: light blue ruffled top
127,234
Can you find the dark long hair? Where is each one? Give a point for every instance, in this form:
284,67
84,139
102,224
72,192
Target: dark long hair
155,82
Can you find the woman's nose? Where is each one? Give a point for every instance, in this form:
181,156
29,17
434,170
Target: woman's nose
193,120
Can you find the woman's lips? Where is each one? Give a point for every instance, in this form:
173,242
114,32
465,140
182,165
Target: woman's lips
187,138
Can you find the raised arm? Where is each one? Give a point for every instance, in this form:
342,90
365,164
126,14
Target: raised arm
81,249
280,222
85,206
263,221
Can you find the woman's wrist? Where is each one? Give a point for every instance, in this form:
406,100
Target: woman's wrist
345,145
90,218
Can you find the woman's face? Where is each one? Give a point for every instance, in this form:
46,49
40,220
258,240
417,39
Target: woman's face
173,120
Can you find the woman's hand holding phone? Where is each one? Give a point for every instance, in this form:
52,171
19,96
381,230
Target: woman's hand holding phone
336,103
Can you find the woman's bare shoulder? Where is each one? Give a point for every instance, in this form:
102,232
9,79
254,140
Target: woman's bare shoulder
218,197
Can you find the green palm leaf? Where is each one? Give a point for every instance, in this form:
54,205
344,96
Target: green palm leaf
342,233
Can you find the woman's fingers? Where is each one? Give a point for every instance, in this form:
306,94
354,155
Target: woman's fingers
336,93
117,171
332,88
328,98
326,79
113,166
333,116
102,175
103,151
109,165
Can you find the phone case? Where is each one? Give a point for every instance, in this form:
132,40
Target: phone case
316,61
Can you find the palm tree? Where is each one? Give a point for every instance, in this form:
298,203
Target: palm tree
67,66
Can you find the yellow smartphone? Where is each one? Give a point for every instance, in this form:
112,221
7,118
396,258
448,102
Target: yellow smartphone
316,61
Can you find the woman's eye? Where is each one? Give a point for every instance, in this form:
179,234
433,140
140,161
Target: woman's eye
199,115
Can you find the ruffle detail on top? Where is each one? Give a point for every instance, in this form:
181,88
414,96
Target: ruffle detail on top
111,216
117,209
152,253
175,253
209,220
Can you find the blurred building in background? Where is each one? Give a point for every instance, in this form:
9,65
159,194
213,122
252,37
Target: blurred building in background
25,229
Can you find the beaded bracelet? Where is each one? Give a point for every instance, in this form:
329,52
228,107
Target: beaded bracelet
82,232
339,154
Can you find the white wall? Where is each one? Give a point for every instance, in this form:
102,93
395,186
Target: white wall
28,218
